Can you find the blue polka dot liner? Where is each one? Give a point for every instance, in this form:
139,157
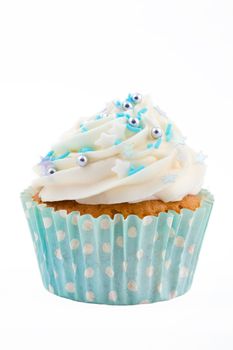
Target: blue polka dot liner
117,261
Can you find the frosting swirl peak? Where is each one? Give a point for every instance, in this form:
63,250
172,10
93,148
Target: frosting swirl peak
129,152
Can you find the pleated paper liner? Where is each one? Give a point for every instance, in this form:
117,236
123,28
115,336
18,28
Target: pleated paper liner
117,261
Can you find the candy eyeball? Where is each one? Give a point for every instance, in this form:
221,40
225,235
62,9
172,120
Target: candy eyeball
156,132
51,171
82,160
133,121
126,105
136,97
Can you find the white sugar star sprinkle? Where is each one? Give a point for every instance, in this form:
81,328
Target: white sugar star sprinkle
121,168
170,178
106,140
118,130
200,157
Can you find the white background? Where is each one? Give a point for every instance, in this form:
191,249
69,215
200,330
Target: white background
63,59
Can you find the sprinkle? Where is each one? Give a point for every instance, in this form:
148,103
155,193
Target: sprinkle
106,140
84,129
155,144
134,170
49,155
118,104
133,129
121,168
158,143
117,142
170,178
120,115
142,111
99,116
62,156
130,98
86,149
168,132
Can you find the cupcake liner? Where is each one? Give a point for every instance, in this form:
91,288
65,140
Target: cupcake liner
117,261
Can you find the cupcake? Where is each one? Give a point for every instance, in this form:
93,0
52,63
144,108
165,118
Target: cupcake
117,212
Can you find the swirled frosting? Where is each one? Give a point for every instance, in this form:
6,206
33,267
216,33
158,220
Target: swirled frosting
129,152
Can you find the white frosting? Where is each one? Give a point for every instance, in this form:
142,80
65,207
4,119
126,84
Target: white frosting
168,172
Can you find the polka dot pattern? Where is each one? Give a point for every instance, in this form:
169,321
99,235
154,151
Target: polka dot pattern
88,248
112,295
87,225
89,272
169,221
179,241
62,213
191,249
120,241
150,271
74,244
74,219
106,247
116,262
147,220
70,287
132,232
60,235
159,287
172,294
144,301
90,296
104,224
51,289
74,267
132,286
47,222
140,254
109,271
184,272
58,253
167,264
124,266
